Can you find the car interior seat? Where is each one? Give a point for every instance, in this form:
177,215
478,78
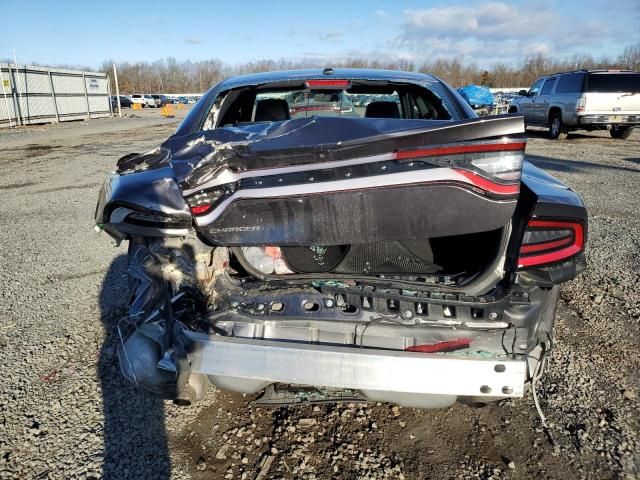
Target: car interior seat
382,110
271,110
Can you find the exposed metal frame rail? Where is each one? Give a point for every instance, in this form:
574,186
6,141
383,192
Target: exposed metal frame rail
355,368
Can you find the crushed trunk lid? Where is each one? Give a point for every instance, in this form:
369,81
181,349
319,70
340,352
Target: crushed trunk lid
332,181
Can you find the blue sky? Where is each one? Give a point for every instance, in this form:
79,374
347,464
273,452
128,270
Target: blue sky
87,33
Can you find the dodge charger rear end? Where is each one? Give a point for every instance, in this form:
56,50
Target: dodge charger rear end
403,252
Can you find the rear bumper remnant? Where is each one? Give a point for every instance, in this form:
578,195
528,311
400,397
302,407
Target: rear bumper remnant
257,363
606,119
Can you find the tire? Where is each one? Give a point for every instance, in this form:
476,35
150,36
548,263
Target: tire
557,130
620,132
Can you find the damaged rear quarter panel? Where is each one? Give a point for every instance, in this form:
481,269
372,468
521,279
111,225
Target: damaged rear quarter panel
153,192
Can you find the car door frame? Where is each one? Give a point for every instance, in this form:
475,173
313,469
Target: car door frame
541,107
527,104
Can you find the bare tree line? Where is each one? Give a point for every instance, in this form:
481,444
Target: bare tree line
172,76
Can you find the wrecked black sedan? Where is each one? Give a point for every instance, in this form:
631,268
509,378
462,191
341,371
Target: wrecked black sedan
404,251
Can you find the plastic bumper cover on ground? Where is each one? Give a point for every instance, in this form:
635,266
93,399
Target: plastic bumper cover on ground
251,364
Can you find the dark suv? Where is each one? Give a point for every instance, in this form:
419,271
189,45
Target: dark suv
125,102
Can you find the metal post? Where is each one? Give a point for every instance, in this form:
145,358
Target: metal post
6,102
16,101
115,79
109,95
19,87
53,96
86,96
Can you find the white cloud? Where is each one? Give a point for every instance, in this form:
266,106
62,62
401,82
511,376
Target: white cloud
494,31
330,36
490,20
485,32
193,40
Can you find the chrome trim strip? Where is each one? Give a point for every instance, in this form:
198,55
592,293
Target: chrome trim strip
227,176
392,179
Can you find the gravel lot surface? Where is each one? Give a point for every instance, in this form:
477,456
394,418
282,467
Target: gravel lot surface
65,412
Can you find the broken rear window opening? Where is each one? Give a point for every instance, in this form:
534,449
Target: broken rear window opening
360,99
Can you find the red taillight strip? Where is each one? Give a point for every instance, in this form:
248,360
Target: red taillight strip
328,83
537,247
552,257
200,209
459,149
488,185
555,256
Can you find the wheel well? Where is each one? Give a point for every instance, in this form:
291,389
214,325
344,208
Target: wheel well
513,110
553,111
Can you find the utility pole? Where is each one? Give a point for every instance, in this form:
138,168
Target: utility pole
115,79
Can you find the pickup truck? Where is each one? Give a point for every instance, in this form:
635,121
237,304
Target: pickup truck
408,254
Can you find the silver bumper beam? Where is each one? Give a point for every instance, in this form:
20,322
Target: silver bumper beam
354,368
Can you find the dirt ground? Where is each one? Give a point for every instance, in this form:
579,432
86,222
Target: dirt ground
65,411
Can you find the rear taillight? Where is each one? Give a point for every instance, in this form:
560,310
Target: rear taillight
203,202
492,167
267,260
550,241
507,167
581,105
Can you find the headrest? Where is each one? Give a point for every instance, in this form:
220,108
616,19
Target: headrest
382,110
271,110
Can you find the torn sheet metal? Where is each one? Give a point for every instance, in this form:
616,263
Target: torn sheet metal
198,158
326,180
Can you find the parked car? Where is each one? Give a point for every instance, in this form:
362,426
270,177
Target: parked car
161,100
125,102
307,103
583,100
144,100
387,257
363,100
